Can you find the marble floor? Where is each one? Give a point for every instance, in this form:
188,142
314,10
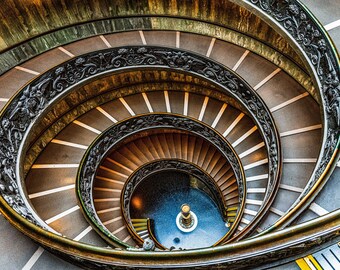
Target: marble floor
160,197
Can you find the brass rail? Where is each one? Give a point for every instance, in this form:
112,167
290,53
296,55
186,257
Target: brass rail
121,131
282,243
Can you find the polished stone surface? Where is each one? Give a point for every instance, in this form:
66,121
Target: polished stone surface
160,197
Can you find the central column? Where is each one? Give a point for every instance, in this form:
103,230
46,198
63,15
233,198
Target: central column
186,220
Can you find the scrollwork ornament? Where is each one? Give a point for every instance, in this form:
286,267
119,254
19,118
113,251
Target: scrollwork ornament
35,98
123,130
25,108
315,44
163,165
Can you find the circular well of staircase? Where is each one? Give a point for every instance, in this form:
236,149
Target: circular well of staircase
160,196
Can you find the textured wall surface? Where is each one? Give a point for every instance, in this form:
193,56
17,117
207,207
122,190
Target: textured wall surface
47,24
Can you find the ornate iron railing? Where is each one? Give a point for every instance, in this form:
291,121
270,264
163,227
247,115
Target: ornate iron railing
156,166
27,106
180,165
313,42
298,24
119,132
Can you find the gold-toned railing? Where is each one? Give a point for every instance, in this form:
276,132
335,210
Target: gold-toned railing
321,53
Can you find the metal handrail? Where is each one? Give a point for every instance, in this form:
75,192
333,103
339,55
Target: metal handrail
55,83
307,35
119,132
323,228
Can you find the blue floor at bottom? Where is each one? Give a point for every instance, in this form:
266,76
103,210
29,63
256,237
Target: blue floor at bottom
161,197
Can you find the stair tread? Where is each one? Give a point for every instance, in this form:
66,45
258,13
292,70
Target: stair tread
196,43
147,149
249,69
228,59
124,38
163,38
96,119
85,46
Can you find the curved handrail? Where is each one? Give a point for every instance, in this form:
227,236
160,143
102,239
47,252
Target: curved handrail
322,227
166,164
114,90
25,108
119,132
244,254
159,165
152,236
309,37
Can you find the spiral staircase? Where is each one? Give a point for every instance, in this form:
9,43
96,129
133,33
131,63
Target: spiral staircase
243,97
